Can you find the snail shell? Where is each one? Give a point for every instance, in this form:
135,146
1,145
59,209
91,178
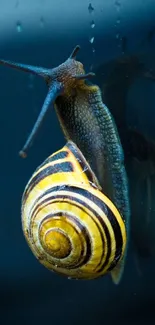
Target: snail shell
70,225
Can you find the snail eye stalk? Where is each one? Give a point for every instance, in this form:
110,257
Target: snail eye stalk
54,91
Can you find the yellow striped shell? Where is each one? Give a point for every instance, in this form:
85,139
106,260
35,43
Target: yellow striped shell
69,224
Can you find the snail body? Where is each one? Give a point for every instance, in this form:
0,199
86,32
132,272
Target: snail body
87,122
69,224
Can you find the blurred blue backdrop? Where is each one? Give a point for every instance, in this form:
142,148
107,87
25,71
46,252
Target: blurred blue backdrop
44,32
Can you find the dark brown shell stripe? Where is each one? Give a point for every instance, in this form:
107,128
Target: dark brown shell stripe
65,189
58,167
61,201
85,194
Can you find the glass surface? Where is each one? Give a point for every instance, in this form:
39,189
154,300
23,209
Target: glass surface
117,39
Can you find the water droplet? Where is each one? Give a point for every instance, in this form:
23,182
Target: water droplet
118,5
92,24
91,40
16,4
117,35
19,27
42,22
118,21
93,50
69,278
90,8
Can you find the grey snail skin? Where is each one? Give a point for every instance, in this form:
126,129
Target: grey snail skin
88,123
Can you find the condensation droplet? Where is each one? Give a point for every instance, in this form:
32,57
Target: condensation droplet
117,35
16,4
19,27
92,24
118,5
118,21
90,8
42,22
91,40
93,50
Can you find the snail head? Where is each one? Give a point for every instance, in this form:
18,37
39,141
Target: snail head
61,81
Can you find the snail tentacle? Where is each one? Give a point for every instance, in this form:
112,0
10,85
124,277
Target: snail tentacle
53,78
26,68
53,92
89,124
74,52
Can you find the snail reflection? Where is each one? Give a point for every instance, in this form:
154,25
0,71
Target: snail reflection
115,79
142,171
88,123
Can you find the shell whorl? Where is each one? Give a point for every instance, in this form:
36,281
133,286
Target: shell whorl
69,224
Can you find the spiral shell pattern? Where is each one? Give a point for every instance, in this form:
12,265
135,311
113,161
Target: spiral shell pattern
69,224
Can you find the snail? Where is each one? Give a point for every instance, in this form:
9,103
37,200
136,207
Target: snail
88,123
69,224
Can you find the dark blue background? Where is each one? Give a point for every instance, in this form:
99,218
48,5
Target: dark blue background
30,294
